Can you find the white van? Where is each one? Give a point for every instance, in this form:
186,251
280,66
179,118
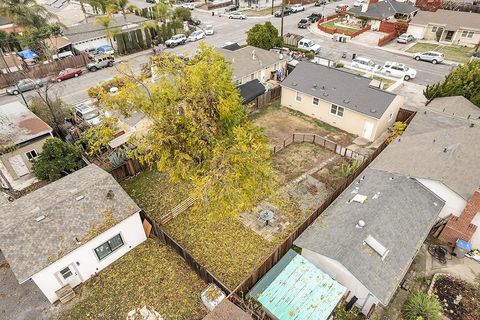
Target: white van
62,55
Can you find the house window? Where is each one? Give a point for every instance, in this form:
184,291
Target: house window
298,96
434,29
336,110
108,247
467,34
31,155
315,101
66,273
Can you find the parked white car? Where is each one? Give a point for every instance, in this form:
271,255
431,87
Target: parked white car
176,40
237,15
309,45
365,64
297,7
398,70
359,3
190,5
430,56
209,30
196,35
87,112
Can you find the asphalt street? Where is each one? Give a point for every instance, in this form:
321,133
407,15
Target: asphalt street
75,90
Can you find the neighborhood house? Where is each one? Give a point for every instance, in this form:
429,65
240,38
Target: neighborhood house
66,232
447,27
22,136
341,99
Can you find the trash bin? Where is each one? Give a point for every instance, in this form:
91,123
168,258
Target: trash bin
461,248
213,13
354,55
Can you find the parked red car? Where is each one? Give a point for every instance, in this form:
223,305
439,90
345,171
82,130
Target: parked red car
67,74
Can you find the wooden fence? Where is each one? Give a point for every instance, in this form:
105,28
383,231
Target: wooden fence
267,97
320,141
349,33
405,115
199,269
42,70
130,168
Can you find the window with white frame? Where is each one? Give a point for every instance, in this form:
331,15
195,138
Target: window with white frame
336,110
108,247
298,96
467,34
434,29
31,155
315,101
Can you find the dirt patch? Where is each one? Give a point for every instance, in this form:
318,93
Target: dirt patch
335,173
298,158
280,123
457,298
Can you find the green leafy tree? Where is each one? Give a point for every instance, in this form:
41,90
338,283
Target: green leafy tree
120,43
464,80
57,159
25,13
182,14
163,11
105,22
420,305
264,36
141,41
148,38
200,131
53,112
41,38
98,137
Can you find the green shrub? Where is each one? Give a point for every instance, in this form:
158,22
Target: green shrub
421,306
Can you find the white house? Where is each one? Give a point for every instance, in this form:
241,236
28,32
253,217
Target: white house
367,239
66,232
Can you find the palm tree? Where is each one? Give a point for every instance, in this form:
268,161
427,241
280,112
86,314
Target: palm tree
124,6
25,13
164,11
105,21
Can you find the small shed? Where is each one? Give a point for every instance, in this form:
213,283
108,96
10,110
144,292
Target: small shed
295,289
227,310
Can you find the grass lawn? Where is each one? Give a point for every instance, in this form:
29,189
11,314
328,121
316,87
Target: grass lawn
459,54
152,275
261,12
331,25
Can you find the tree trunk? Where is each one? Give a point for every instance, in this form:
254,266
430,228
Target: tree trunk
82,6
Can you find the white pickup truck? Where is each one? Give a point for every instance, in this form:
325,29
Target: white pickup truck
309,45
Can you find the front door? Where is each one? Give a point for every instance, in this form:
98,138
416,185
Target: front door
19,165
367,130
69,275
449,35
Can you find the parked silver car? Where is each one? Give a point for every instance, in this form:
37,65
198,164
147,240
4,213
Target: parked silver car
24,85
405,38
430,56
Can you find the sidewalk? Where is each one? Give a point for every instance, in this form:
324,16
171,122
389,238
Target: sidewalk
313,29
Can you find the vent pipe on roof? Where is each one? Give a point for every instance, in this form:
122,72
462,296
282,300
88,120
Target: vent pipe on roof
40,218
471,125
360,224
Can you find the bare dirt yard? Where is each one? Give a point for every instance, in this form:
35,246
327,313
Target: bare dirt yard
280,123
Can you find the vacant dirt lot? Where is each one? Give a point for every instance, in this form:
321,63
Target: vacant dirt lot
298,158
280,123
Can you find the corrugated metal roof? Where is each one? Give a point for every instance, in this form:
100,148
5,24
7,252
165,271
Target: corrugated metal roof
295,289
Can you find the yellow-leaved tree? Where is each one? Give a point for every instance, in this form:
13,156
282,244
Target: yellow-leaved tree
201,132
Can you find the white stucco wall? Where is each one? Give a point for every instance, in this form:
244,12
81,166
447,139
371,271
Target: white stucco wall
417,31
475,239
340,274
94,43
454,204
84,258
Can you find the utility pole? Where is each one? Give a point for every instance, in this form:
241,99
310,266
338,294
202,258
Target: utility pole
272,5
283,14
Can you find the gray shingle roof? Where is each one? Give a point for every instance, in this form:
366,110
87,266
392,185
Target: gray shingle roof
92,29
438,147
29,246
244,63
384,9
456,105
400,218
452,20
339,87
18,124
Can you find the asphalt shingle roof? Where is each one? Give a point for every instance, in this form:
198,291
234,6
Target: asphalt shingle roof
384,9
91,29
339,87
248,60
29,246
438,147
399,213
250,90
456,105
452,20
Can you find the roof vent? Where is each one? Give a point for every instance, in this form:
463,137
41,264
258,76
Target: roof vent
294,84
471,125
325,94
445,149
360,224
359,198
110,195
376,195
346,101
323,87
40,218
373,110
79,198
376,246
315,86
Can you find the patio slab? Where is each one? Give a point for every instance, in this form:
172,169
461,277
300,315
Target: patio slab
369,38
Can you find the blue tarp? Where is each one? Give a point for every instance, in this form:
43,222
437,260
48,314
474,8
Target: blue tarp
104,48
27,54
462,244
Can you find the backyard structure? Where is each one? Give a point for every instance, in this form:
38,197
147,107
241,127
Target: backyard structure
22,136
446,27
296,289
71,230
356,240
340,99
